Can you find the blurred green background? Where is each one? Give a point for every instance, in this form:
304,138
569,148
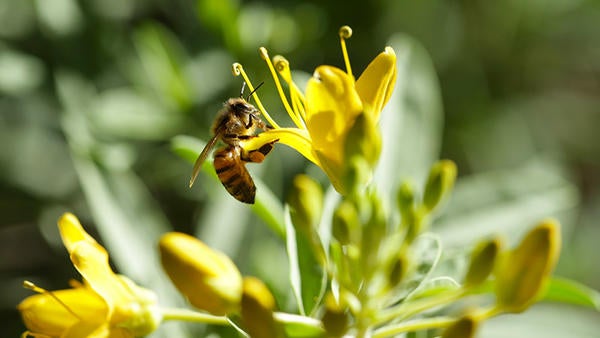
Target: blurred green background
93,91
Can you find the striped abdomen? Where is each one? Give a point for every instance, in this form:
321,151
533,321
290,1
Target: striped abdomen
232,172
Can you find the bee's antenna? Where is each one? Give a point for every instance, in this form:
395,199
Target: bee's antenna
254,91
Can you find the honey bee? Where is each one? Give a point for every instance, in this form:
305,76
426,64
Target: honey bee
238,120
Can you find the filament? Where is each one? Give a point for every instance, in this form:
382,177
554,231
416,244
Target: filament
284,100
31,286
345,32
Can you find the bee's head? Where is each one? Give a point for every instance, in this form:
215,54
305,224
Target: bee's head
241,107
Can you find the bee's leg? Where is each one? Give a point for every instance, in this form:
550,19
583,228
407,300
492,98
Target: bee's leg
258,155
259,123
250,121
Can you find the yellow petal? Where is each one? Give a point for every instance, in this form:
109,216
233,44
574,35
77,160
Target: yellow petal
72,232
43,314
376,83
121,333
85,329
296,138
92,263
332,105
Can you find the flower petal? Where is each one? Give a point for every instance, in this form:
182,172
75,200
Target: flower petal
298,139
92,263
376,83
72,232
86,329
43,314
332,106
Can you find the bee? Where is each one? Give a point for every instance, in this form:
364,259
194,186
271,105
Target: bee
238,120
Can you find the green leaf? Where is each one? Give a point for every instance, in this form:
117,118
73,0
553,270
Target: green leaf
128,114
266,206
307,276
569,291
505,202
161,57
411,123
544,320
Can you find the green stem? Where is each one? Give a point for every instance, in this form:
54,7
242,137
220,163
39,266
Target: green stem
406,310
200,317
415,325
193,316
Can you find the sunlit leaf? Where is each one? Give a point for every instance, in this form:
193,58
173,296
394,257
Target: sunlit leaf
411,123
571,292
299,327
306,274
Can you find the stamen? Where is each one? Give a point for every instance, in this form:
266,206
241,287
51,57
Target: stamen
238,70
283,68
31,286
345,32
265,55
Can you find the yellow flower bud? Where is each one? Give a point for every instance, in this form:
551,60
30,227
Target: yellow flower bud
398,270
465,327
524,271
258,305
440,182
482,262
306,203
208,278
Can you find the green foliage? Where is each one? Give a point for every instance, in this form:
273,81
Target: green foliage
96,97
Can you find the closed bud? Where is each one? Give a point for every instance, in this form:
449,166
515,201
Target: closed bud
335,319
414,222
524,271
346,224
372,233
398,270
465,327
482,262
439,183
405,198
207,278
306,203
258,305
364,140
357,174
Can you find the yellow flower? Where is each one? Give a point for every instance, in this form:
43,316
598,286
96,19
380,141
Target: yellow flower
106,305
325,115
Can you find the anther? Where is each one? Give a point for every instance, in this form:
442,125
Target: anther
345,32
263,53
31,286
236,69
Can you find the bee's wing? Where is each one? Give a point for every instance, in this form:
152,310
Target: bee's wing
198,164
